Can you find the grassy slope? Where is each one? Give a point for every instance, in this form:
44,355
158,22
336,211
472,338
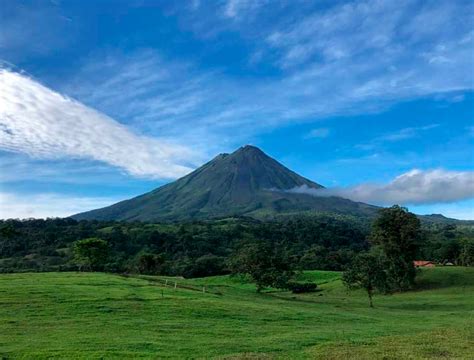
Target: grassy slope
77,315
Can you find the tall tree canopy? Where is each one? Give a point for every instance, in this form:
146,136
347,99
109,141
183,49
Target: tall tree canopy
91,253
367,272
398,233
266,264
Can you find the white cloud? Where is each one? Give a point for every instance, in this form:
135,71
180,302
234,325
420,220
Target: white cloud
142,89
375,29
413,187
13,206
343,31
317,133
232,7
406,133
399,135
203,108
352,58
235,8
363,56
170,99
44,124
342,58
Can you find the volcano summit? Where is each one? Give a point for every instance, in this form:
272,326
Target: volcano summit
246,182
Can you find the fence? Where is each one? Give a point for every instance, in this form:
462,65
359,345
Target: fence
174,284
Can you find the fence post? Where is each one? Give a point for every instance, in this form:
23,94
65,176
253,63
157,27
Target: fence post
203,289
175,284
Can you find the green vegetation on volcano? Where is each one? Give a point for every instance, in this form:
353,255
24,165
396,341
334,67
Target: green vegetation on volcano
247,182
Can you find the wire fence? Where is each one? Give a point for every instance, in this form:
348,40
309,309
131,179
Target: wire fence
174,284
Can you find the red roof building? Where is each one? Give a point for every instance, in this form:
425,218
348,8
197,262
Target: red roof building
423,263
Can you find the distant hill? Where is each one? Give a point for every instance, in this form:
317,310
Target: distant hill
245,183
438,219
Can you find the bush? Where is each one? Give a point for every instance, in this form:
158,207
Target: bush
297,287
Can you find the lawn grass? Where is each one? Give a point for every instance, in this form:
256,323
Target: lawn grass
95,315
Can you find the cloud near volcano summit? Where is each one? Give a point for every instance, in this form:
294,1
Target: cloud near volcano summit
413,187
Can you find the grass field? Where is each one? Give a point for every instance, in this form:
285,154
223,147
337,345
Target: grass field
94,315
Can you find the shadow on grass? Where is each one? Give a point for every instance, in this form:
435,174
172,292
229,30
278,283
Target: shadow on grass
444,277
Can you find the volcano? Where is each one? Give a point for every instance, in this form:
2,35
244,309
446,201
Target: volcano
246,182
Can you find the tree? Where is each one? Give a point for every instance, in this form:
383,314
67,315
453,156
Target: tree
398,233
7,230
91,253
448,251
466,256
150,264
206,265
265,264
367,271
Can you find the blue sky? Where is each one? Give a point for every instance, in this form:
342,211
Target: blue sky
104,100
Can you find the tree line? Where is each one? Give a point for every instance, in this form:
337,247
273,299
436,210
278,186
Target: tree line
187,249
376,258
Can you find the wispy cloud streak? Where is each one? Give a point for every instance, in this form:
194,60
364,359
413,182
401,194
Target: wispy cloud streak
396,136
348,58
45,124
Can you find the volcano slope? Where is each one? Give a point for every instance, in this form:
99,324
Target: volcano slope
245,183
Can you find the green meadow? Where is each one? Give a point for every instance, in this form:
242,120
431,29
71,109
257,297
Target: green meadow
97,315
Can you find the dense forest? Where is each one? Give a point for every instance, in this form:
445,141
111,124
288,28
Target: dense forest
204,248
